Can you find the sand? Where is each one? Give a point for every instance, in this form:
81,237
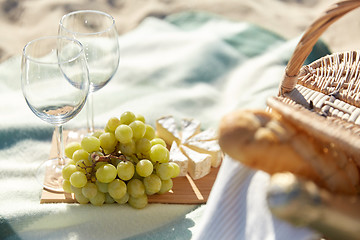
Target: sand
22,21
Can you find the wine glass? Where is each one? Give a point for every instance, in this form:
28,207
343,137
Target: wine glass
97,32
55,84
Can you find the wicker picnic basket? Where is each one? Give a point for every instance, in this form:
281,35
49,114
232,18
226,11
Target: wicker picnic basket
318,129
323,98
330,84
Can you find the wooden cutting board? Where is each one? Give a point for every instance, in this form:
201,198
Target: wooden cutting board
185,190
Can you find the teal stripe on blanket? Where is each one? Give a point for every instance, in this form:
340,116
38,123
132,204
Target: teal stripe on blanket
252,41
6,230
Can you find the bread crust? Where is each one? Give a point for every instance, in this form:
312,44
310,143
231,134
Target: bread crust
266,141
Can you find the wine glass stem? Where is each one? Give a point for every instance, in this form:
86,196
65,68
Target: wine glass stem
90,113
60,145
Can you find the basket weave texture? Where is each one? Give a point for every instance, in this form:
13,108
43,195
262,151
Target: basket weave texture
331,85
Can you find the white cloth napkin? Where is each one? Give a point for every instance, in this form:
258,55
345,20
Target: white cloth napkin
237,209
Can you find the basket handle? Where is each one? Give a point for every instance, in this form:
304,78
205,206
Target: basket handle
308,40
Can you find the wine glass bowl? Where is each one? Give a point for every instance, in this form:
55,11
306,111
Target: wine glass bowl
55,85
97,32
46,92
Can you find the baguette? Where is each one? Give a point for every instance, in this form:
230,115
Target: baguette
268,142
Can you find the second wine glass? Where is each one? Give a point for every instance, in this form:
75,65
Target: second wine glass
97,32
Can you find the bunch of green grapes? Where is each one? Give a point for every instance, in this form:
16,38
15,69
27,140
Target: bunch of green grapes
125,163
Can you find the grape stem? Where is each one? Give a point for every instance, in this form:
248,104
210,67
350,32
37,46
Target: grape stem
98,158
108,158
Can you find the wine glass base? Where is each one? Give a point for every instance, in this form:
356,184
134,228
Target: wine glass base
49,175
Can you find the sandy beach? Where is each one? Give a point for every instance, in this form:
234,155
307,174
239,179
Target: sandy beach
22,21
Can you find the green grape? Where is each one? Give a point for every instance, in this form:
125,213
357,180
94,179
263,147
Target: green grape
108,141
138,202
152,184
81,198
75,190
113,123
165,171
176,170
106,129
97,133
145,155
78,179
124,133
66,185
117,189
89,190
127,117
98,200
127,149
125,170
68,170
102,187
84,166
90,144
99,164
166,185
138,129
69,162
149,132
71,148
143,145
140,118
135,187
106,173
80,154
159,153
109,199
144,168
156,141
108,151
123,200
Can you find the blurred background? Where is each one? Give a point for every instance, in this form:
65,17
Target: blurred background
22,21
